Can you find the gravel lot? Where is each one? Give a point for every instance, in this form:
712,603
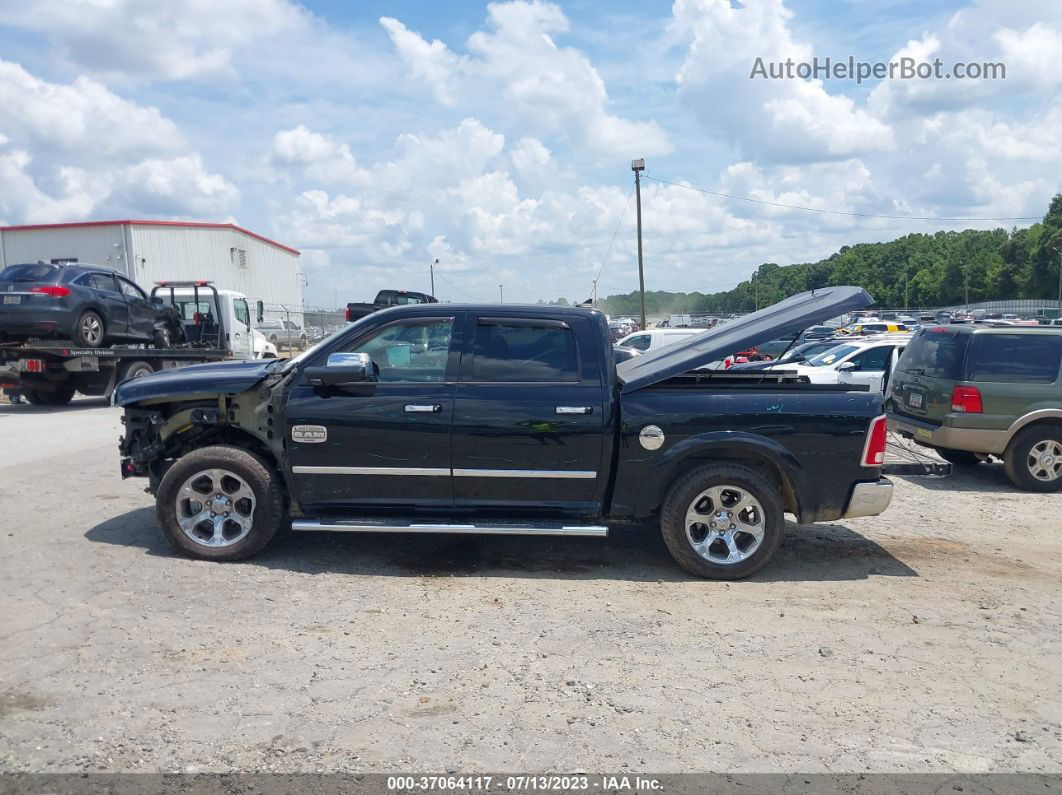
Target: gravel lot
927,639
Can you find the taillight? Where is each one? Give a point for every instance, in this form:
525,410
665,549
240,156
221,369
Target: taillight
966,399
52,290
874,449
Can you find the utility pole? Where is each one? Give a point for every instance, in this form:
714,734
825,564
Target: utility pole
501,295
638,166
431,269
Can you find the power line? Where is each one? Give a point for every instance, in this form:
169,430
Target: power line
840,212
615,231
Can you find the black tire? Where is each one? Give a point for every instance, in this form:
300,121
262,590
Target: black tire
46,397
136,370
161,339
1019,451
959,458
264,482
90,331
681,497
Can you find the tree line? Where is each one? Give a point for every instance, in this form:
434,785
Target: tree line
917,270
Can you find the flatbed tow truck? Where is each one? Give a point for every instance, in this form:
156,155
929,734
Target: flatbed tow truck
216,326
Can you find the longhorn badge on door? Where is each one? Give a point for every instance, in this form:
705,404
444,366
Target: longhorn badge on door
309,434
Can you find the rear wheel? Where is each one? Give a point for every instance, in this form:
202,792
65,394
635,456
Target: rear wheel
45,397
959,458
89,330
1033,460
723,521
220,503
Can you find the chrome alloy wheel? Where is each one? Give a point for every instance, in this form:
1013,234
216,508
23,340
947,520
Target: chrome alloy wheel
91,329
215,508
725,524
1045,460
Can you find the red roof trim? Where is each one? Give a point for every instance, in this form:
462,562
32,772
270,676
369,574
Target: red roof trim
202,224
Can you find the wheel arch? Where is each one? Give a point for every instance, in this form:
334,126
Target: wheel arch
759,453
1045,416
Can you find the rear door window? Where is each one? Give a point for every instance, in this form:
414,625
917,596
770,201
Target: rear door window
516,351
873,359
935,352
99,281
1028,358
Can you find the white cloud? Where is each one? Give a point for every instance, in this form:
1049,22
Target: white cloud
782,120
321,157
175,40
550,89
78,149
80,115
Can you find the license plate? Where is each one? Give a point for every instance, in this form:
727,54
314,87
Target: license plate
914,400
12,299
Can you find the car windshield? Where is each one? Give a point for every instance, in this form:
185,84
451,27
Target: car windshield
29,273
832,356
936,352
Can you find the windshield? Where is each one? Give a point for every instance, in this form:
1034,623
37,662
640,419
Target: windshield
29,273
937,352
832,356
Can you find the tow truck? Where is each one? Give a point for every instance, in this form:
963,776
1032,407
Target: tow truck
212,324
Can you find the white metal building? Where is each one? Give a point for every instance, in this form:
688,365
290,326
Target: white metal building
149,251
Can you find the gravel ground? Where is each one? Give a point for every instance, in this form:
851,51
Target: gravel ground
927,639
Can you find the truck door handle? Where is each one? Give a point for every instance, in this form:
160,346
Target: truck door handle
431,408
575,409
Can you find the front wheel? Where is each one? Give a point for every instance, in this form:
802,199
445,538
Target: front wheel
723,521
1033,460
220,503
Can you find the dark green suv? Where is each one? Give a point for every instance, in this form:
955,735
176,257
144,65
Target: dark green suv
971,392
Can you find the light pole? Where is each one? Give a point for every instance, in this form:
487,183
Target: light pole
431,269
638,166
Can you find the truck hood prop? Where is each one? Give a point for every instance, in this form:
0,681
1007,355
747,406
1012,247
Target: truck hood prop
790,316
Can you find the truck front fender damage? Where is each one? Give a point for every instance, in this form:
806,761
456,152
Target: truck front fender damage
157,435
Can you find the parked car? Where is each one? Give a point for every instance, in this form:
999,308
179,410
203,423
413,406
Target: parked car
863,361
514,420
794,355
975,391
621,353
284,333
386,299
862,329
92,305
653,339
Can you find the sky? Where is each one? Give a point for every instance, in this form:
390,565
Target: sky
377,137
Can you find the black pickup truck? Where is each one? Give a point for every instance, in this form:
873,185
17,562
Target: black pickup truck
508,420
385,299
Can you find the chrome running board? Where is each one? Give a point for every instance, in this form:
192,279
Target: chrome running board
483,528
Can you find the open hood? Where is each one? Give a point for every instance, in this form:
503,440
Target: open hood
790,316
